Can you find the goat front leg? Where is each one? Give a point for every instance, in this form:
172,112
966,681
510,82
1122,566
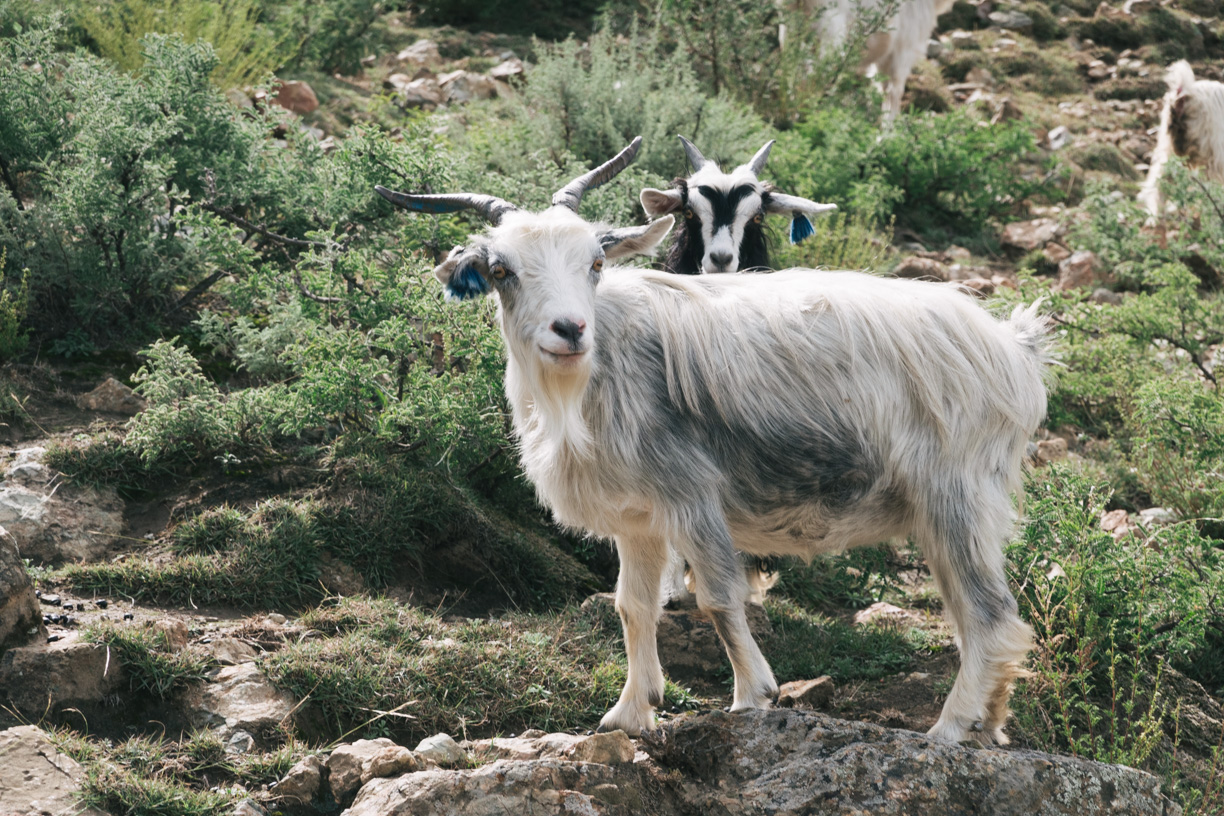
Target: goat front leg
723,591
642,560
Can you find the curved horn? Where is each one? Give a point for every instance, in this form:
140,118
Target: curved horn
694,155
758,161
491,208
570,195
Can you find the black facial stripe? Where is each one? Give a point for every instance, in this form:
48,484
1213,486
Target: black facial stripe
724,203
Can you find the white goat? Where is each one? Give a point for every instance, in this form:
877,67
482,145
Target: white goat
895,50
788,414
1191,126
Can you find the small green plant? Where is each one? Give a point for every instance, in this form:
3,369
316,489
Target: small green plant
151,664
247,50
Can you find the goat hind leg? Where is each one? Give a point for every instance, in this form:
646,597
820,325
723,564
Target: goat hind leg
963,548
642,561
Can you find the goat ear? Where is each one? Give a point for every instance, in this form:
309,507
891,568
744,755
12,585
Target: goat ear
799,209
463,274
660,202
621,243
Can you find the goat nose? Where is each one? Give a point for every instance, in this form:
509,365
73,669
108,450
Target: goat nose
720,258
568,329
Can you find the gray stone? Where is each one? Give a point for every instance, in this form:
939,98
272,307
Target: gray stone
1158,516
421,54
231,651
442,749
1011,20
1081,269
112,397
1058,138
301,783
921,268
1106,296
1029,235
796,761
392,760
240,742
530,745
348,764
67,673
241,698
507,70
464,86
36,779
20,616
612,748
1051,450
816,693
934,49
52,521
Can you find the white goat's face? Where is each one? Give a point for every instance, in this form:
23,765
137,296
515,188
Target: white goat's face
544,269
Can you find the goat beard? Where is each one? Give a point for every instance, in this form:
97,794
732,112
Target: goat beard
547,402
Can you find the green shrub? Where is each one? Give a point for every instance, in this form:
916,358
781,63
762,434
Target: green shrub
247,50
547,19
150,663
13,307
942,174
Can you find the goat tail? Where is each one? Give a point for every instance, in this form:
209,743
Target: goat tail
1031,329
1179,77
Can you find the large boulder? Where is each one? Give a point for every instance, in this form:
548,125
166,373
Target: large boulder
51,520
55,676
764,762
113,397
36,779
20,617
792,761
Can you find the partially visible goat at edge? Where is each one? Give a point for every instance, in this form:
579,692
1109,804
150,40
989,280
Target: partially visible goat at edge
895,50
786,414
721,230
723,215
1191,126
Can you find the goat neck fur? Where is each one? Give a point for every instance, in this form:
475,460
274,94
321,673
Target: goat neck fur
1191,126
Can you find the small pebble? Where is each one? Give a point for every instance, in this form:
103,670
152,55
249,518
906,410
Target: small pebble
52,638
128,616
590,733
102,604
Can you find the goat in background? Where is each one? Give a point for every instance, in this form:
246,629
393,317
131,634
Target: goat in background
786,414
1191,126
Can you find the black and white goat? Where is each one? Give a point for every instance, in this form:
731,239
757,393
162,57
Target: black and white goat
787,414
723,215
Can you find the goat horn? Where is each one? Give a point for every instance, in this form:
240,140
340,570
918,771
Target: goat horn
491,208
757,165
694,155
570,196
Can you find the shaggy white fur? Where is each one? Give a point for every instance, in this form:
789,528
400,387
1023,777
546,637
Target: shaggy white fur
895,50
1191,126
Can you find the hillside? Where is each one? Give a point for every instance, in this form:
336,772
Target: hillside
307,526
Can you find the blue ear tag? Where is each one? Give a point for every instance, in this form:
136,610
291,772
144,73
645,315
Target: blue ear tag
467,283
801,228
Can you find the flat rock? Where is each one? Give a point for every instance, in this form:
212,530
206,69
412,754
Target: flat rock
531,745
241,698
20,616
922,268
231,651
67,673
541,787
52,521
36,779
1029,235
612,748
112,397
816,693
442,749
1051,450
1011,20
880,612
795,761
351,765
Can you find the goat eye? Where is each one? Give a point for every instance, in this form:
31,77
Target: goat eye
688,213
598,265
498,270
758,218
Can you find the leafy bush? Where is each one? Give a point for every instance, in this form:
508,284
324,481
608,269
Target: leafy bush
1109,616
13,308
247,49
935,173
